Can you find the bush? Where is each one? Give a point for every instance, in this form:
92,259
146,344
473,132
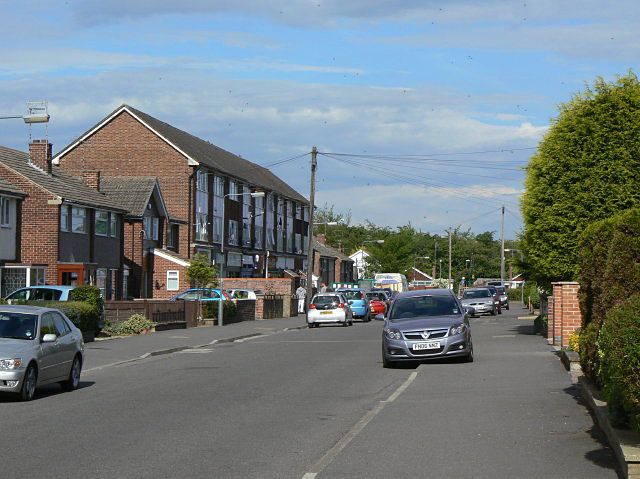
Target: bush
619,350
136,324
210,309
588,348
574,341
514,294
3,301
88,294
84,315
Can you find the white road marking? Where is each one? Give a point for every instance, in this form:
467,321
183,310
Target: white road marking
332,453
242,340
197,351
504,336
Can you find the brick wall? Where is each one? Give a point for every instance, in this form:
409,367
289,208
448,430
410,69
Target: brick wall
125,147
271,285
551,301
39,225
160,268
565,316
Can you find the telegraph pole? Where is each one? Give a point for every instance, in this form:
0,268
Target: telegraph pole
312,195
502,250
449,281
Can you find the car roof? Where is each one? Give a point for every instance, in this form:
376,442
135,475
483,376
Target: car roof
50,286
427,292
329,293
346,290
23,308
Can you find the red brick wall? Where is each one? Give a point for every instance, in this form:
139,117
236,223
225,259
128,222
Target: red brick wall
125,147
550,323
271,285
39,225
566,317
160,268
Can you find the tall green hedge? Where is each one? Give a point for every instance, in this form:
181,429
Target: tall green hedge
210,309
84,315
89,294
619,348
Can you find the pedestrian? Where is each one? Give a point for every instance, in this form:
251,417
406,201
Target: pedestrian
301,294
323,288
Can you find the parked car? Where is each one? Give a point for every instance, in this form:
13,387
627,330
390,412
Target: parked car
41,293
242,294
202,294
38,346
377,303
480,299
496,297
504,298
329,308
358,302
425,324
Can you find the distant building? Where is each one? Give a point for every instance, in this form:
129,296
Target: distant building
359,259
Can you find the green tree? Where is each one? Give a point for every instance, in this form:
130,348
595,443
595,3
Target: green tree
200,271
587,168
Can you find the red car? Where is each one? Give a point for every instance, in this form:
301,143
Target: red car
377,303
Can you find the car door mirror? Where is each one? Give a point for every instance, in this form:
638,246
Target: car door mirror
379,317
49,338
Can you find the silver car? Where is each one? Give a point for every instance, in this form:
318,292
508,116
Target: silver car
425,324
38,346
480,299
329,308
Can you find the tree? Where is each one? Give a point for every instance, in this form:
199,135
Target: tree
200,271
587,168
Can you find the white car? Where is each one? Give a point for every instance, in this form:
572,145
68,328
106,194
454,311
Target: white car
242,293
329,308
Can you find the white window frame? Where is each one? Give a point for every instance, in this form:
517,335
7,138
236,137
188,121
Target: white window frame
79,212
113,225
65,224
104,219
173,275
5,212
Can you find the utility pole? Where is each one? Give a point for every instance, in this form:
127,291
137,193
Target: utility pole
502,249
312,195
449,281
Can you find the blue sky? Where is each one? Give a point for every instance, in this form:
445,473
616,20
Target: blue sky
444,101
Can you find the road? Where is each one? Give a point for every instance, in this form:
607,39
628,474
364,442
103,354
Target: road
315,404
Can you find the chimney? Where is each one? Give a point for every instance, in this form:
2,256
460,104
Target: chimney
91,179
322,239
40,154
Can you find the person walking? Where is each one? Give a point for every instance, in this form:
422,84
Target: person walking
301,294
323,289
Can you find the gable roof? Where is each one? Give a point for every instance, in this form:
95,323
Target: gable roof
133,193
422,273
328,251
198,151
58,183
8,188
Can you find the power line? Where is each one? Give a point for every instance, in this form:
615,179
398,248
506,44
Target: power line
502,150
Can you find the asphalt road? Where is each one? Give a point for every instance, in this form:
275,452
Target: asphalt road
314,403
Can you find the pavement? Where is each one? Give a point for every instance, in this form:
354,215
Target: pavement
113,351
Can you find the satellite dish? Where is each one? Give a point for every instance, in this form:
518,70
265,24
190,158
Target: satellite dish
38,112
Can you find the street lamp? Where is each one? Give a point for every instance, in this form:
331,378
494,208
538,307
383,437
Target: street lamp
254,194
326,223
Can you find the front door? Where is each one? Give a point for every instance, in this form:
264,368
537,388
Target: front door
71,275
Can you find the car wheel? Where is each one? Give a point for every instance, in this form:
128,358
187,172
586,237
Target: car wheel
73,382
493,312
469,357
29,382
346,323
386,363
507,307
499,310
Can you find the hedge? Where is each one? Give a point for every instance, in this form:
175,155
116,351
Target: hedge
88,294
84,315
619,350
210,309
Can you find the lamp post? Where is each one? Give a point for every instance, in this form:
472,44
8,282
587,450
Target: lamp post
254,194
326,223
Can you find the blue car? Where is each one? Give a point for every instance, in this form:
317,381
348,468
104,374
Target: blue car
41,293
358,302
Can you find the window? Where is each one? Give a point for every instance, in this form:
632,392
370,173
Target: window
280,226
78,220
170,233
217,229
151,225
246,216
5,212
218,186
218,198
270,222
257,240
233,232
233,190
64,218
202,207
173,280
298,245
156,228
113,229
289,238
46,325
102,223
101,280
298,211
306,213
60,324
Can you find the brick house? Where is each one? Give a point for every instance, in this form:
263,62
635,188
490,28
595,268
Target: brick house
68,233
330,264
144,228
11,199
199,181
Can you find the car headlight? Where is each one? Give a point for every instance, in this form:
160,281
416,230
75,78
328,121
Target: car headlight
14,363
457,329
393,333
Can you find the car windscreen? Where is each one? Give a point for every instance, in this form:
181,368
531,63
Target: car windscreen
324,301
417,306
476,293
375,296
17,325
501,289
352,294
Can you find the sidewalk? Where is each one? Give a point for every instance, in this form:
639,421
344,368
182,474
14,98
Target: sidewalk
109,352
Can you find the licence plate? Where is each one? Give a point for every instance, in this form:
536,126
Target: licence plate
325,312
428,345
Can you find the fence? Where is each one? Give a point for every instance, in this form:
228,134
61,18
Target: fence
272,306
164,313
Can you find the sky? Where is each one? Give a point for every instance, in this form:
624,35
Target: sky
424,112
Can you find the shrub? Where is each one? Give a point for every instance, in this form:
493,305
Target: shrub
3,301
574,341
88,294
136,324
210,309
84,315
619,349
514,294
588,348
